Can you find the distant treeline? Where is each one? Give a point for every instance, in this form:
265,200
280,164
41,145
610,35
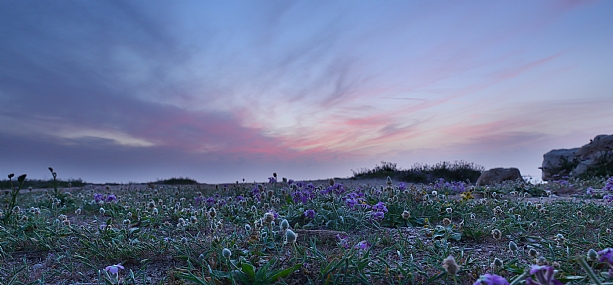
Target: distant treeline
38,183
423,173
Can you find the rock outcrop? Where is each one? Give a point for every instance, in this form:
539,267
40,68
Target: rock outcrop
575,162
498,175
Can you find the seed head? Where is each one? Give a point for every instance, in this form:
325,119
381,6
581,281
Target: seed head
269,217
450,265
406,214
496,234
446,221
449,210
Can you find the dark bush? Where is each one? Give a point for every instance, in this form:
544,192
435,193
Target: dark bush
423,173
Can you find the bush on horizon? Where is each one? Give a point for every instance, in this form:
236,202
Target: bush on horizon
176,181
423,173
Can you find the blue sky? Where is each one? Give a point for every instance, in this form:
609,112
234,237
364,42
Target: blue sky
223,90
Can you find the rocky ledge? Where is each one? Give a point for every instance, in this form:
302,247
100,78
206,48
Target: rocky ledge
577,162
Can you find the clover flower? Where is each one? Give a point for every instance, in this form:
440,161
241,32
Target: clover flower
491,279
114,269
544,275
406,214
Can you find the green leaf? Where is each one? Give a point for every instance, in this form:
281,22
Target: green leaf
286,272
571,278
456,236
248,269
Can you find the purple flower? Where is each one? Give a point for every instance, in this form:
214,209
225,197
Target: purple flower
380,207
351,203
363,245
491,279
458,187
589,191
111,198
272,180
606,255
608,197
290,182
544,275
402,186
343,240
378,215
210,201
114,269
609,185
98,197
309,214
255,190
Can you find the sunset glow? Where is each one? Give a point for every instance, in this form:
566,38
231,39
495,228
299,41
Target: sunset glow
223,90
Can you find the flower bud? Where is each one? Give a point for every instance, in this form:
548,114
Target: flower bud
284,225
226,253
512,246
592,254
290,236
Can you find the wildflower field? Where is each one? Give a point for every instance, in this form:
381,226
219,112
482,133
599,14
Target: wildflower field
319,232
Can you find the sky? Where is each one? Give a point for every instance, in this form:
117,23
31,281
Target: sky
220,91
